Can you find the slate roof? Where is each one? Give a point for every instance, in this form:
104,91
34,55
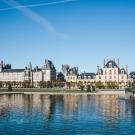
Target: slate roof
113,64
91,75
132,74
100,72
73,71
13,70
123,70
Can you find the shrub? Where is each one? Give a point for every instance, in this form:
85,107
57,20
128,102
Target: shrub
88,88
93,88
9,87
82,87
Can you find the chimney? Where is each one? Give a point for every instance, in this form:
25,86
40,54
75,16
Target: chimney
104,62
126,68
30,65
118,63
97,68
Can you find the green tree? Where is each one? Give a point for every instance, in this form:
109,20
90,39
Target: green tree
88,88
9,87
1,84
82,87
99,85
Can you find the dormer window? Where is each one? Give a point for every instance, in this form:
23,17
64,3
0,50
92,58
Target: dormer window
100,71
89,77
71,72
110,65
122,71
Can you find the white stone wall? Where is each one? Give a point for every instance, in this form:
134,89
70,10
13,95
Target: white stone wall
11,76
37,76
71,78
47,75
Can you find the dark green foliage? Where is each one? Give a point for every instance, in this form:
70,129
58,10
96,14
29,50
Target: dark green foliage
93,88
9,87
88,88
60,77
0,84
82,87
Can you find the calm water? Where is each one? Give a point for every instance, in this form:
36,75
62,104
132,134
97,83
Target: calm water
66,115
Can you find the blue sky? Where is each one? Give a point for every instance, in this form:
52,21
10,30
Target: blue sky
80,32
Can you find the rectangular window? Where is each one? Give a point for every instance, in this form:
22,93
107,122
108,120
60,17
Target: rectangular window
110,72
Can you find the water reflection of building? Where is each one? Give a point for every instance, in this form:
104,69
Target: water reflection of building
48,104
10,101
45,104
28,103
70,104
110,107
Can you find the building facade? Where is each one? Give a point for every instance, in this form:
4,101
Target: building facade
111,72
86,78
72,75
46,73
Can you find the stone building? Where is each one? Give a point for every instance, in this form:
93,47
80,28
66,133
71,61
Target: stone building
46,73
111,72
72,74
86,78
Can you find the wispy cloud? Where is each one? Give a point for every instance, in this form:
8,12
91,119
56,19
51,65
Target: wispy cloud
35,5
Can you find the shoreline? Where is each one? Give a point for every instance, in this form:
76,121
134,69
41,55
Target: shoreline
64,92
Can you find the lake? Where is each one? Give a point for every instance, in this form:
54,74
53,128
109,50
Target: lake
66,115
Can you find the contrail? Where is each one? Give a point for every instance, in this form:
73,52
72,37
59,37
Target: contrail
37,5
35,17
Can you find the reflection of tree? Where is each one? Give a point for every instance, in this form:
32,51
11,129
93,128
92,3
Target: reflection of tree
48,103
130,109
4,107
28,103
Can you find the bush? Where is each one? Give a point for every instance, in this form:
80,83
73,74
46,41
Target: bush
88,88
93,88
9,87
82,87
